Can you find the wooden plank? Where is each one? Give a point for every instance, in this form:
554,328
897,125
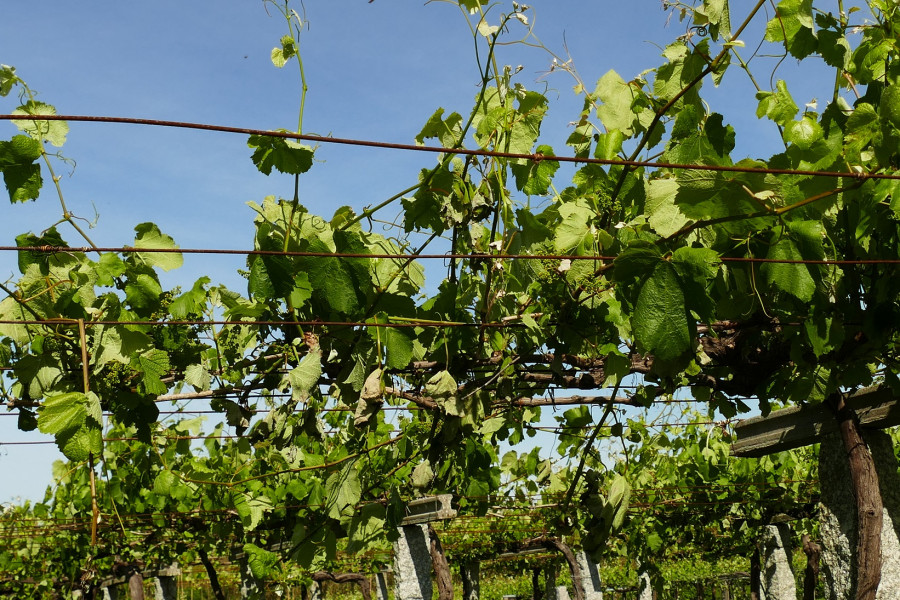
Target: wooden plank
427,510
799,426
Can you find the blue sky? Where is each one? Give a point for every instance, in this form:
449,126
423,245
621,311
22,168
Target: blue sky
375,71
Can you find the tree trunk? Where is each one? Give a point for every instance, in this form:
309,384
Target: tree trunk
442,576
136,586
755,575
811,575
218,594
869,506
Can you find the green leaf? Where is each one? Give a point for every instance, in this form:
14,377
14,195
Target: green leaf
305,376
154,364
20,173
638,260
285,155
777,105
399,346
574,229
448,131
664,216
281,55
442,388
534,177
422,475
803,133
8,79
149,236
617,97
75,421
261,562
48,131
343,491
366,528
198,376
660,321
251,508
804,242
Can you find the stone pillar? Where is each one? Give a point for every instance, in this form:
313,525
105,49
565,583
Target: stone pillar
110,592
777,582
251,587
381,590
470,573
412,564
645,587
590,576
316,592
837,516
165,586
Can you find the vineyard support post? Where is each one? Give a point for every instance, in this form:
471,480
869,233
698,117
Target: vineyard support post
413,549
412,564
536,592
857,473
110,592
838,516
381,590
251,588
778,581
645,586
470,573
554,591
165,585
590,576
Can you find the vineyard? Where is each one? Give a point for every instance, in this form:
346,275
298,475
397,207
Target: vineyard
643,366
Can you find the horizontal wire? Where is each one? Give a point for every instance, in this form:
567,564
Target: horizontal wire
413,256
64,321
535,157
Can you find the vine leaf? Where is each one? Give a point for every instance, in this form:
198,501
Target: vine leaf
50,131
343,491
21,174
74,419
285,155
306,374
261,562
660,317
149,236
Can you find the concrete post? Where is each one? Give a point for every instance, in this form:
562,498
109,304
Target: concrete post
412,564
165,586
381,590
646,589
470,573
251,588
777,581
110,592
837,517
590,576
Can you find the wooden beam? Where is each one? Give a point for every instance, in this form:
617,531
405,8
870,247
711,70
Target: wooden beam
799,426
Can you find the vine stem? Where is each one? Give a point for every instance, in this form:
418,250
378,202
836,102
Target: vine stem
609,406
85,373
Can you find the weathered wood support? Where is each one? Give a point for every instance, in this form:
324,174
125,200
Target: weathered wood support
365,587
811,575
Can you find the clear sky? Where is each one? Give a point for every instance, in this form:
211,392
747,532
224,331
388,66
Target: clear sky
375,71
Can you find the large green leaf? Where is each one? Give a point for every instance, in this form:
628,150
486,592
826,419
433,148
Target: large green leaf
49,131
75,420
21,174
149,236
343,491
660,320
285,155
